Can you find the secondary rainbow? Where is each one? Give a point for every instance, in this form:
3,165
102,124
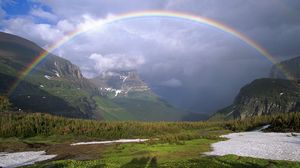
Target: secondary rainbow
147,14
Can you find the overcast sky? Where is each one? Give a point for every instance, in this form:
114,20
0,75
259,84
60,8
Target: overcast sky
194,66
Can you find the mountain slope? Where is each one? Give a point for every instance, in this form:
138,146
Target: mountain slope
268,95
127,90
56,86
263,97
292,66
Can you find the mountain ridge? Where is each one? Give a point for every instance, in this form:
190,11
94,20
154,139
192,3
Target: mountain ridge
57,86
291,67
266,96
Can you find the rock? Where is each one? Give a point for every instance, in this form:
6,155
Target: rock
263,97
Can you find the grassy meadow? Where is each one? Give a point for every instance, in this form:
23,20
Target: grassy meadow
171,144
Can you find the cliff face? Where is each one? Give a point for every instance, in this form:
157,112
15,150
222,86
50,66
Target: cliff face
256,106
59,67
120,82
263,97
269,95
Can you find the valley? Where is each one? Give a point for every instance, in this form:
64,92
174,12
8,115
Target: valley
57,86
149,84
170,143
101,128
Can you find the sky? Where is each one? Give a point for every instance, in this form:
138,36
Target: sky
191,65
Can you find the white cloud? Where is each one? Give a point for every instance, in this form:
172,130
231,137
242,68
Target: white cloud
173,82
43,14
43,34
65,25
114,61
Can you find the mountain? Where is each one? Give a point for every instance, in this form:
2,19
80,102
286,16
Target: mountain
120,83
127,90
57,86
267,96
292,66
263,97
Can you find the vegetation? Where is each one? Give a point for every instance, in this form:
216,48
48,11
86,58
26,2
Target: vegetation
171,144
24,125
5,104
57,87
165,155
281,122
228,161
286,123
30,125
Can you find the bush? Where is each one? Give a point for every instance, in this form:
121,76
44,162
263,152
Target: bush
5,105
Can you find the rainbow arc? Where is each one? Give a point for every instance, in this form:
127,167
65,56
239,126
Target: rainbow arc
147,14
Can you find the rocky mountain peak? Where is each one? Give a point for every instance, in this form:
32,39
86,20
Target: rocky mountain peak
120,82
59,67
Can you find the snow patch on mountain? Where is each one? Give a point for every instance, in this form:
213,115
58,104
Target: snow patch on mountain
116,91
47,77
57,74
123,78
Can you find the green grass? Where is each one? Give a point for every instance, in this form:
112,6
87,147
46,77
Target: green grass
172,144
164,152
148,109
231,161
111,111
187,154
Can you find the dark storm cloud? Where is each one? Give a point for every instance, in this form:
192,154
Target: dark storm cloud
192,65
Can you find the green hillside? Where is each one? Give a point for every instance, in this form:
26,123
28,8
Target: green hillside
56,86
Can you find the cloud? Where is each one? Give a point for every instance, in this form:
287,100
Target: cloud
209,65
39,12
116,61
65,26
43,34
100,8
172,83
2,12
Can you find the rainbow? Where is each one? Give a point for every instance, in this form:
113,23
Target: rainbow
146,14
